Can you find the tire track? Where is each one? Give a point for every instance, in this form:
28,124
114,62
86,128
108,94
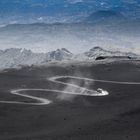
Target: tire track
83,91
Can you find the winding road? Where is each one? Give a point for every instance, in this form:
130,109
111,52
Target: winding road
82,90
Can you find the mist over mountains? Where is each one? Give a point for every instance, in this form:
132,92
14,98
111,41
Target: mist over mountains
46,24
75,25
74,37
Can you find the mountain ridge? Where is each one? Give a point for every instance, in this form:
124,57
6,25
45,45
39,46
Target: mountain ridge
14,57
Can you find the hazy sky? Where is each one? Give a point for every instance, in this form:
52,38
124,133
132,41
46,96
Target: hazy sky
50,11
59,8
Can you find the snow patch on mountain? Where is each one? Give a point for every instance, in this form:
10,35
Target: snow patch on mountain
14,57
59,54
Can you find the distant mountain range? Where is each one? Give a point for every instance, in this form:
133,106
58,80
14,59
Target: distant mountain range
66,11
92,17
98,51
105,16
15,57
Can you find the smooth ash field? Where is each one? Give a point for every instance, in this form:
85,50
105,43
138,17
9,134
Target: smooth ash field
74,101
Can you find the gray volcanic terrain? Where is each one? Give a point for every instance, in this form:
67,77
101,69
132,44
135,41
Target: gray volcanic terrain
71,114
69,70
